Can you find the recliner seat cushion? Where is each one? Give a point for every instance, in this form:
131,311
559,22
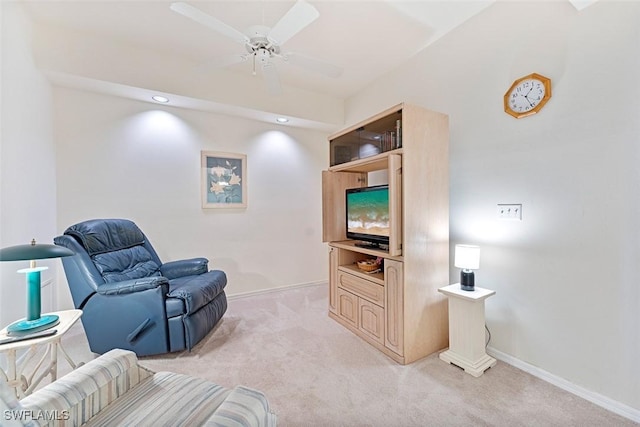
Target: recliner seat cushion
197,291
126,264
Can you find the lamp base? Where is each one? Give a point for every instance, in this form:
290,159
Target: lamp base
24,326
467,280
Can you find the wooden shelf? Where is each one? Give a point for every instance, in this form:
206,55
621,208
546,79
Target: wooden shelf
351,246
368,164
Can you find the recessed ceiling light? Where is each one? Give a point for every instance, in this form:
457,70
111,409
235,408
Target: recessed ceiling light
162,99
282,120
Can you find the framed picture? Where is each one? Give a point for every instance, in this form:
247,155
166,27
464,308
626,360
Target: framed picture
224,180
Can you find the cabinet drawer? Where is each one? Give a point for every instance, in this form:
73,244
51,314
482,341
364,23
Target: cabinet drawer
361,287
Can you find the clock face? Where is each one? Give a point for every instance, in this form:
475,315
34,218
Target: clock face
527,95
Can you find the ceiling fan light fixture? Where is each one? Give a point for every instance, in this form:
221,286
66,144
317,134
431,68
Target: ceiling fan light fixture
161,99
263,44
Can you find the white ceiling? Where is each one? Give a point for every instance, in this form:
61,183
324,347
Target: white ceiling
136,49
366,38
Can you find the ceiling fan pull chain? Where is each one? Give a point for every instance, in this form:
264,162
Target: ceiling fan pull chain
254,64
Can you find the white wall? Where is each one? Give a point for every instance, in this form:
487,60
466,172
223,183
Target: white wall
566,276
27,168
128,159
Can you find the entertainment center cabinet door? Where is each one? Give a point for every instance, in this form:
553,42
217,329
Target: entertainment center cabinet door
371,320
348,308
333,279
394,306
395,204
334,186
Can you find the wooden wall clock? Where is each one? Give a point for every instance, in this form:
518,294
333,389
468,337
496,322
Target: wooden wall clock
527,95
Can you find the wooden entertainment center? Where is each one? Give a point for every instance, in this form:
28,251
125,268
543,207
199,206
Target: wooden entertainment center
399,309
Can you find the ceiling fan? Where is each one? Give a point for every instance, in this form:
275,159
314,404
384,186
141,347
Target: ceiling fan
262,43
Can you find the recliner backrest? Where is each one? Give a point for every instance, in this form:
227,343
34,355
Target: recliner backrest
117,248
82,275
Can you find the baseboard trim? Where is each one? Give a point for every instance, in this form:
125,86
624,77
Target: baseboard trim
277,289
593,397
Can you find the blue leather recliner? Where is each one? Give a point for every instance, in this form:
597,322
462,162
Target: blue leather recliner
130,299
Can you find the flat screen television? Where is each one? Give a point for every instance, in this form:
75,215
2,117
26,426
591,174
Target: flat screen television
368,214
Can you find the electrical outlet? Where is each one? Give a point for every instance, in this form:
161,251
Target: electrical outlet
510,212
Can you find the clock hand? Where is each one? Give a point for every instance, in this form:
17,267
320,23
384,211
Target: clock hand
527,97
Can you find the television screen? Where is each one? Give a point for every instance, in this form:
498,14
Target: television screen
368,214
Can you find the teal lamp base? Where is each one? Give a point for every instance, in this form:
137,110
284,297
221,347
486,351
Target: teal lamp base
24,326
33,322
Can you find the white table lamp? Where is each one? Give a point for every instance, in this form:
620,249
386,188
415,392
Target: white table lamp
467,257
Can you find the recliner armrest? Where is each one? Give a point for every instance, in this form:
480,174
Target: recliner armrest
185,267
134,285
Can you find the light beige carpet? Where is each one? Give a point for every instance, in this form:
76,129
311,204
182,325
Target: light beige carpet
316,373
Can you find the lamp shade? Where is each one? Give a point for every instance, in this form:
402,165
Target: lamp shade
467,257
33,251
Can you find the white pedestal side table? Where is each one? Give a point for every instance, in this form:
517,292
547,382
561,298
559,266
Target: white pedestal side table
25,383
466,329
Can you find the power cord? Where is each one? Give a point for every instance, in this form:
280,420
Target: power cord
489,339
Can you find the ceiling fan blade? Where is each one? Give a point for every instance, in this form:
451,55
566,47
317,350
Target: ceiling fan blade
313,64
299,16
222,61
271,78
199,16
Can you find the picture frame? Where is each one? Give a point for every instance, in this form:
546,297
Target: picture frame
223,180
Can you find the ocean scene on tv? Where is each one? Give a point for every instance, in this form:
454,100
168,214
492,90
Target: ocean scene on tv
368,212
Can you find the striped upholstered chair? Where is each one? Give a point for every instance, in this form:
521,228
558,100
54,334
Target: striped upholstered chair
114,390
